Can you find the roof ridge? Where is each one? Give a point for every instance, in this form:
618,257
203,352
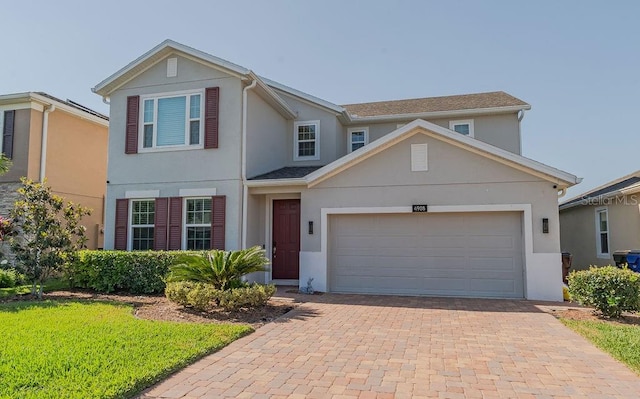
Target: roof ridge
433,97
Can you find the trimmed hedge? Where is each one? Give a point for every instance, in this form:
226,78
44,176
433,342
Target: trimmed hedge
137,272
608,289
204,296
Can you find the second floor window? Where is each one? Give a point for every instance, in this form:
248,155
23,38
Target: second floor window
306,137
463,127
171,121
358,137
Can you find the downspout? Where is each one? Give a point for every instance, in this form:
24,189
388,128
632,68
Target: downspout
45,138
243,167
520,118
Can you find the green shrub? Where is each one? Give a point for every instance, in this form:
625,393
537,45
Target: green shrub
222,269
110,271
199,296
8,278
251,296
608,289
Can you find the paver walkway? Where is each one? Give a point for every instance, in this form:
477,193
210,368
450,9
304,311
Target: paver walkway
351,346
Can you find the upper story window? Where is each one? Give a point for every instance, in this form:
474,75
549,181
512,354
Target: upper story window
306,137
463,127
142,224
170,121
357,137
602,232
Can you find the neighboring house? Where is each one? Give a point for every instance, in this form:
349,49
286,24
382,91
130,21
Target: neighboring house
423,197
62,141
595,224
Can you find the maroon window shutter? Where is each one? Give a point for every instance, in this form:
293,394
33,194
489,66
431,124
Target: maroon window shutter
175,223
218,205
122,221
211,109
7,133
131,145
160,224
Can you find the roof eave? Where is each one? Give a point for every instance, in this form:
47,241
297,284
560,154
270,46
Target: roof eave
137,66
276,182
273,98
437,114
304,96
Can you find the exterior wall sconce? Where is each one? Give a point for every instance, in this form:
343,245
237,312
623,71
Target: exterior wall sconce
545,225
310,226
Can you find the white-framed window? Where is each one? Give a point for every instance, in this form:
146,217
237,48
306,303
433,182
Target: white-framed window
306,141
462,126
602,233
197,223
142,224
171,121
357,137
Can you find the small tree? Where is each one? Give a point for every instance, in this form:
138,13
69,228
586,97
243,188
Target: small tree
5,164
48,232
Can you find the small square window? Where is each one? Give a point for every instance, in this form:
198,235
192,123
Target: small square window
463,127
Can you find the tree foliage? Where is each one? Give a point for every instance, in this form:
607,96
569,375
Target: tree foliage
222,269
5,164
48,232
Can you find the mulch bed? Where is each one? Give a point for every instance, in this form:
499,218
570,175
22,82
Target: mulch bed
160,308
587,314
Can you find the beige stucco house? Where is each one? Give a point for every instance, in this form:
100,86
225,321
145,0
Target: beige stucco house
427,196
62,141
606,219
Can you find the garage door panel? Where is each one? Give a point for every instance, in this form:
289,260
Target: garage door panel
428,254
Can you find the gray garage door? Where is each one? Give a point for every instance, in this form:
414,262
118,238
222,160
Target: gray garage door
448,254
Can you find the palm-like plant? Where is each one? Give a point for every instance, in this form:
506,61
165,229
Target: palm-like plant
222,269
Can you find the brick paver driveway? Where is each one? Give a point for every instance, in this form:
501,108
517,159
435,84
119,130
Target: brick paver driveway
351,346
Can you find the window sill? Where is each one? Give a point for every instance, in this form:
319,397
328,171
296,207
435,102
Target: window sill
170,149
300,159
603,256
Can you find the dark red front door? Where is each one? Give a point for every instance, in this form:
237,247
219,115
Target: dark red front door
285,260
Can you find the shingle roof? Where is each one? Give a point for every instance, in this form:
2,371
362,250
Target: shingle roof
495,99
289,172
617,185
74,105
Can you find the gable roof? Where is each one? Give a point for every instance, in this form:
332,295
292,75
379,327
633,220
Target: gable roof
627,183
496,99
467,104
560,178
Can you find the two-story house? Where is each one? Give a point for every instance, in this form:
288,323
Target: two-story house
425,196
60,141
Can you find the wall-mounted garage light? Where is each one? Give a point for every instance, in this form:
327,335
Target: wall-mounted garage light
545,225
310,226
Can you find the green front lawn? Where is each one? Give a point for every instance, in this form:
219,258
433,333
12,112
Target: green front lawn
82,349
621,341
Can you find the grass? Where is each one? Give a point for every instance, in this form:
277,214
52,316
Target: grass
621,341
49,285
85,349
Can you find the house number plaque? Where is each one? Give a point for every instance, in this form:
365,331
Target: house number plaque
419,208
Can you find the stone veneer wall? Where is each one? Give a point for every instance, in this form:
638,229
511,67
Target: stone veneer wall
8,196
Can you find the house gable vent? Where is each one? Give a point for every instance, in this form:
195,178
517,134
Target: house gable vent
172,67
419,158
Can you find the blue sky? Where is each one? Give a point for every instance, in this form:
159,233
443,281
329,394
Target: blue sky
576,62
